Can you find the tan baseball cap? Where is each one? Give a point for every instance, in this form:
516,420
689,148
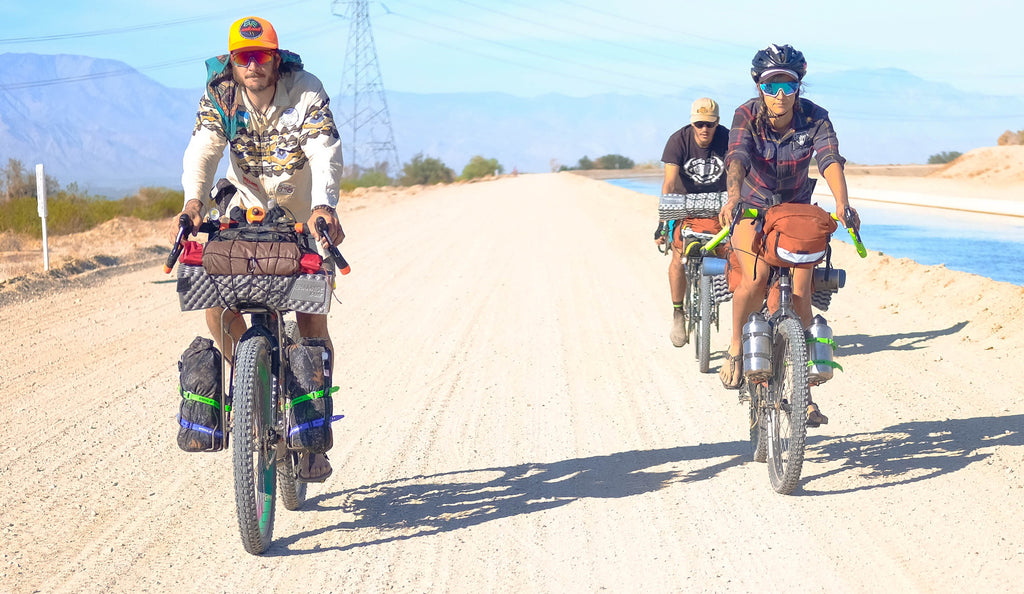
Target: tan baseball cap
704,110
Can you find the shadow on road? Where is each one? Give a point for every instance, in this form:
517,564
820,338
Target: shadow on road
908,452
862,344
425,505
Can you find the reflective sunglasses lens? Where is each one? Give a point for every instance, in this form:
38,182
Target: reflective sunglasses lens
259,56
787,88
704,124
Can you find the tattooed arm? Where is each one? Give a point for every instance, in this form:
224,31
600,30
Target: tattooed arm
733,182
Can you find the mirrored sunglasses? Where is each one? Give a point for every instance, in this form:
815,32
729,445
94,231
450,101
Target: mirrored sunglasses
773,88
705,124
243,58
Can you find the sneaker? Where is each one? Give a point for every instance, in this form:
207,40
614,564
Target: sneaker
679,335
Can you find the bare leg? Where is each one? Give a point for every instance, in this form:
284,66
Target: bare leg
803,279
233,328
677,287
749,295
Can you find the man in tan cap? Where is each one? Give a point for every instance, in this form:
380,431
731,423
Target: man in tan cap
694,160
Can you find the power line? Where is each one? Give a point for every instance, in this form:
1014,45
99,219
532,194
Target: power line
144,27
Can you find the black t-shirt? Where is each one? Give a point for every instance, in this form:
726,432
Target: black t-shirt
700,169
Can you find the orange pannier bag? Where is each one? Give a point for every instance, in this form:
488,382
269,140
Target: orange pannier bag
795,235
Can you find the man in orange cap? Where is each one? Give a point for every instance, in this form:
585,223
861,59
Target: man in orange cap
284,147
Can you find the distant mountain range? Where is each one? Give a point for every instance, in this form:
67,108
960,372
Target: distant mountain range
113,134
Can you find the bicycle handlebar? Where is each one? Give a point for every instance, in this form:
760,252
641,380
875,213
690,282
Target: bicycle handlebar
185,228
751,213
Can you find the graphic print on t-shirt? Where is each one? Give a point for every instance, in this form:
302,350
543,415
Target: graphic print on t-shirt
704,170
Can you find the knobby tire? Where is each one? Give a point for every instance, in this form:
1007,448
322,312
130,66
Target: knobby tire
705,296
253,454
786,410
758,422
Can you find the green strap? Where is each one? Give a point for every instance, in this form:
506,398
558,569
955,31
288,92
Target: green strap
827,341
831,364
305,397
200,398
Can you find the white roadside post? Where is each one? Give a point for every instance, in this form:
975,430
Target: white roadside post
41,195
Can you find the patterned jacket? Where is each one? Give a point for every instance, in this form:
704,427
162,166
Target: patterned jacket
779,164
291,154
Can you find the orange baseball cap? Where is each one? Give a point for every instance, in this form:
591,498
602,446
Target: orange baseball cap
252,32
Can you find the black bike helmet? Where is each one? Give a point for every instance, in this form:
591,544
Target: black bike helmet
778,58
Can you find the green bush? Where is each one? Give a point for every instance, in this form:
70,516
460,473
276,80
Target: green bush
613,162
943,157
368,179
481,167
425,171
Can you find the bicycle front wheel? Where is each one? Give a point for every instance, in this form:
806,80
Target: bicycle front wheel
705,295
786,410
254,451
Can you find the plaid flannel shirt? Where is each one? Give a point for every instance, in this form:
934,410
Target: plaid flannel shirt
778,163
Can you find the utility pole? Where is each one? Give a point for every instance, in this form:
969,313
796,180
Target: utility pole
367,139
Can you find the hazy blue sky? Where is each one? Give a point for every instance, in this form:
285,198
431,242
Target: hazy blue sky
532,47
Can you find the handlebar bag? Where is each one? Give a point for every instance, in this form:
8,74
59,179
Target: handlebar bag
252,251
795,235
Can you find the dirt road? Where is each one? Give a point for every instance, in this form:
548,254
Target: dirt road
518,421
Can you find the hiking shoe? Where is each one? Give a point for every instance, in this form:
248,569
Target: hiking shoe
679,335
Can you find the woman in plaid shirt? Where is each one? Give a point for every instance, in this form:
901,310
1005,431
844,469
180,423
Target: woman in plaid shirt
771,142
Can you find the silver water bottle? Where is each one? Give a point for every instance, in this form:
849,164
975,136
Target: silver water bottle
757,347
820,351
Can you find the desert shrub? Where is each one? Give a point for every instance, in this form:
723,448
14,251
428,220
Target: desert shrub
943,157
368,179
481,167
71,211
425,171
1010,138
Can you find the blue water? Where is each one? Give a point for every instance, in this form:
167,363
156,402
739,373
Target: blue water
986,245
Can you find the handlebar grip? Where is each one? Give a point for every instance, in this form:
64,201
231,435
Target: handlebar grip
184,229
854,234
321,228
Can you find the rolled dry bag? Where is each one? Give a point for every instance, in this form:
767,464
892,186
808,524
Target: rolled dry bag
308,405
201,418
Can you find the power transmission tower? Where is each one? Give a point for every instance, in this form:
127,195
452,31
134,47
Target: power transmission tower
363,116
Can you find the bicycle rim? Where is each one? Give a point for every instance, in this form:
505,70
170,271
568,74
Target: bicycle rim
706,295
254,452
786,411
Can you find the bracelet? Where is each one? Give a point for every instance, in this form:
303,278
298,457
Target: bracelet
326,207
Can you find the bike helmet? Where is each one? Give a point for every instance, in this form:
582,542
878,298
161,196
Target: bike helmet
776,59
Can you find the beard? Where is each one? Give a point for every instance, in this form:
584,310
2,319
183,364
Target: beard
256,82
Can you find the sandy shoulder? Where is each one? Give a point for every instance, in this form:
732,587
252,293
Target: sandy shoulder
517,420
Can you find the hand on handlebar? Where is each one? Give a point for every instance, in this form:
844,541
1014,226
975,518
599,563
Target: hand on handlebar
334,230
850,219
728,212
